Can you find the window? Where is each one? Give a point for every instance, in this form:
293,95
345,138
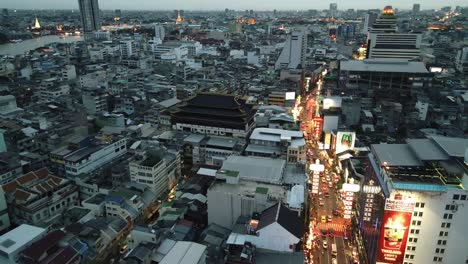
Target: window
441,233
463,197
456,197
442,250
422,205
415,240
417,204
444,242
416,231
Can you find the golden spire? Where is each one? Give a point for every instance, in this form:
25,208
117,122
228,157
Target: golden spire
179,18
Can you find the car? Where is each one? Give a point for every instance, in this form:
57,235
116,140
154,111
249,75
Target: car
331,231
324,244
329,218
326,194
323,219
324,233
321,203
123,249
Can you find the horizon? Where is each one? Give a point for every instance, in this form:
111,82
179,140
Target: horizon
241,5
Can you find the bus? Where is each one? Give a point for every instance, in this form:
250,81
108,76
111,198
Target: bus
333,250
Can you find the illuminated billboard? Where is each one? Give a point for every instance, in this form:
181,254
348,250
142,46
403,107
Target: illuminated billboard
344,141
290,96
332,102
394,231
327,141
318,125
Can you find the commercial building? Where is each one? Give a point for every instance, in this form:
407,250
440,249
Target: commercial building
419,188
18,239
90,16
333,12
250,184
270,142
39,197
369,20
90,158
461,61
214,114
387,83
95,101
158,170
294,51
384,42
127,48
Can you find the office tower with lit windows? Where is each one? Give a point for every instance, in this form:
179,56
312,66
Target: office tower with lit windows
294,51
384,41
90,16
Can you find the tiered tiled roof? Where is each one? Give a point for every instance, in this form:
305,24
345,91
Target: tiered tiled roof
216,110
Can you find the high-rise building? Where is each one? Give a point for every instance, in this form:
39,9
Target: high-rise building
413,202
461,61
416,8
294,50
333,9
369,20
159,32
384,42
90,16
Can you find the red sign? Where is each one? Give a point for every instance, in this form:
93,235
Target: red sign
394,232
318,126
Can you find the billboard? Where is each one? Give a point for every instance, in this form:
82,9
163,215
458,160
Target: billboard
290,96
327,141
394,231
318,125
331,102
344,141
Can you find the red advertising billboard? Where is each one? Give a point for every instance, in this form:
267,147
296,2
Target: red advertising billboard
318,126
394,232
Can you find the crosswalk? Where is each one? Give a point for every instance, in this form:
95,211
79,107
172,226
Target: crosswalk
336,227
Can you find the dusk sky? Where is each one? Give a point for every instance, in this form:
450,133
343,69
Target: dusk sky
237,4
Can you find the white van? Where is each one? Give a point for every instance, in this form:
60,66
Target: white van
333,250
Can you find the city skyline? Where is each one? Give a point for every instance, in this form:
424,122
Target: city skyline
238,5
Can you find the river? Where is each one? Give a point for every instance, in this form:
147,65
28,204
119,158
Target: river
31,44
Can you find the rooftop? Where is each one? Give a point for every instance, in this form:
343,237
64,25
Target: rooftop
19,237
396,155
184,252
276,135
383,65
246,188
255,168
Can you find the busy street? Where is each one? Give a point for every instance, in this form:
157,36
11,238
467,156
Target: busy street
327,237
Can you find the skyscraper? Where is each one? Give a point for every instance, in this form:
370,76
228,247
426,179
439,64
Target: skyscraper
293,53
385,42
333,9
159,32
416,8
90,17
369,20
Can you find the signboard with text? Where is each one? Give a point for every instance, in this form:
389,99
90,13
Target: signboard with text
318,125
394,232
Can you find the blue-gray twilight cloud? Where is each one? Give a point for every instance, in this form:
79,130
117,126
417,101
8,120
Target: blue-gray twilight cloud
231,4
